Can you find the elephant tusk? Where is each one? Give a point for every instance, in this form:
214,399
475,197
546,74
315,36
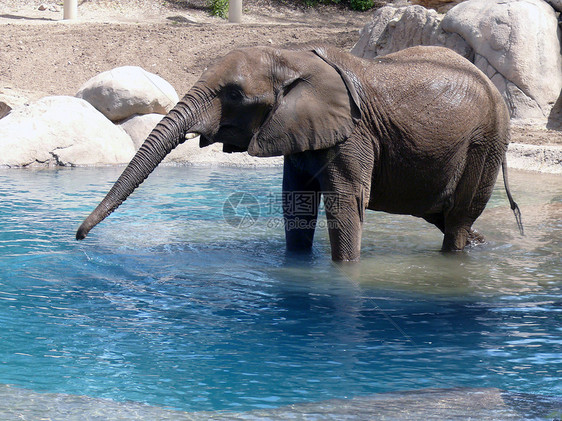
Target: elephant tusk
190,136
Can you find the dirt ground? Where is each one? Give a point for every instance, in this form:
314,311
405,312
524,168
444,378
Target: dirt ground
42,54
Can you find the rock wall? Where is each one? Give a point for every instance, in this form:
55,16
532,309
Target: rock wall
516,43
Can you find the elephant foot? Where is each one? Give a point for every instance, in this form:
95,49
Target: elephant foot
461,238
475,238
455,241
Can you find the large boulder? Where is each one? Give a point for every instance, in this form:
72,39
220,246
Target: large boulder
516,43
128,90
138,127
396,28
61,130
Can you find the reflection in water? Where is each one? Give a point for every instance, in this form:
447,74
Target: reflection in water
166,304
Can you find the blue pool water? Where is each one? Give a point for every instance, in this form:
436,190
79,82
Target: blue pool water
167,304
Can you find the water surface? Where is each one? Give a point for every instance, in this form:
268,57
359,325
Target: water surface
167,304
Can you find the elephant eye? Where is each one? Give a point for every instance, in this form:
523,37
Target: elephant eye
234,94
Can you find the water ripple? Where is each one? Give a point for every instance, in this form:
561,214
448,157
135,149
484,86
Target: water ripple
167,304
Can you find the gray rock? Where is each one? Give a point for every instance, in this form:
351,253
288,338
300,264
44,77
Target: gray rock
138,127
396,28
61,130
517,45
125,91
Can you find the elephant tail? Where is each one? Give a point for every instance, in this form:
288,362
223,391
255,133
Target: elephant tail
512,203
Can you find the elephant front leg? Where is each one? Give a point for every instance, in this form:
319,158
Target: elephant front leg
345,223
301,199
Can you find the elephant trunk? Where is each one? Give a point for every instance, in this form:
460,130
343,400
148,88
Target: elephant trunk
168,134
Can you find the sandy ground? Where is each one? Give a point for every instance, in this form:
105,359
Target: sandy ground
42,54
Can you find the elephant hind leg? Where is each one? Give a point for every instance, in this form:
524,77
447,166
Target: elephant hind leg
454,240
470,198
459,239
473,237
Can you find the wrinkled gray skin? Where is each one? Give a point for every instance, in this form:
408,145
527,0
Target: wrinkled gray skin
420,132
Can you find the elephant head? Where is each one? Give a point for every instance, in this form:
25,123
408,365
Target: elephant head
266,101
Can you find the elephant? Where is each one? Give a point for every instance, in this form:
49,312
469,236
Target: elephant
420,132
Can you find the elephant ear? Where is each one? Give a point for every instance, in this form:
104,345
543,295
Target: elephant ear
316,107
